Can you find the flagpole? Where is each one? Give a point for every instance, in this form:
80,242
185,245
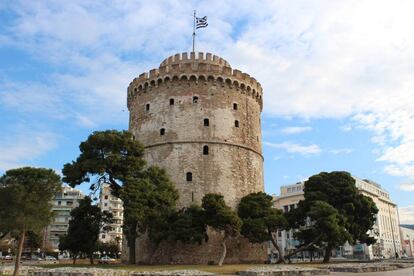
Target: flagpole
194,28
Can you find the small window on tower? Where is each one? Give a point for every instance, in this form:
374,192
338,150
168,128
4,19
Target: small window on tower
162,131
205,150
171,101
189,176
206,122
195,99
235,106
147,107
236,123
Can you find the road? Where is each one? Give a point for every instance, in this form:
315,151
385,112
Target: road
401,272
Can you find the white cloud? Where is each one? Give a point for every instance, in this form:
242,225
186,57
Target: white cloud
23,146
296,129
290,147
409,187
406,214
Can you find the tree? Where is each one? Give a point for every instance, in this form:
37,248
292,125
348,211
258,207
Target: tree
186,225
112,157
147,200
109,156
71,245
34,241
84,228
337,211
260,221
221,218
25,202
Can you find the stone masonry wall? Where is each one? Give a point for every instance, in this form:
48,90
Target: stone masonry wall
168,112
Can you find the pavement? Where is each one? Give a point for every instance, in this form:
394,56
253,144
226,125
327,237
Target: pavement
400,272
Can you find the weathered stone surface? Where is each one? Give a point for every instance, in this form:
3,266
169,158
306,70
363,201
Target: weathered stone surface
70,271
239,250
172,273
283,270
8,269
366,267
178,97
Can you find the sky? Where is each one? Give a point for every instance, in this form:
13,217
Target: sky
337,79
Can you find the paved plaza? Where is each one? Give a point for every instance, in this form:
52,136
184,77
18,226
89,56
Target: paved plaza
401,272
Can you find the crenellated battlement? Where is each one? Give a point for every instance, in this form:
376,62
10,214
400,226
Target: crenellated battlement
197,68
193,57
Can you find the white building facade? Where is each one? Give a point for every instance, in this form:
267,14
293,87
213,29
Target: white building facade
114,205
63,203
385,230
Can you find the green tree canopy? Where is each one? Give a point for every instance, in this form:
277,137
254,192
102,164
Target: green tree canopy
110,156
260,220
186,225
147,201
87,222
25,202
221,217
338,212
115,157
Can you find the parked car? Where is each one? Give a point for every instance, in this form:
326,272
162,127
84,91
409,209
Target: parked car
106,260
36,258
7,258
50,258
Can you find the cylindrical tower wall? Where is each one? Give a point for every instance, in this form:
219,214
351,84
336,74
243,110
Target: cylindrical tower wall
200,120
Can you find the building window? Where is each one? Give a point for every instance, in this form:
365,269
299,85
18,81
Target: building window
106,197
103,236
106,204
286,208
195,99
205,150
192,196
206,122
235,106
147,107
162,131
236,123
171,101
189,176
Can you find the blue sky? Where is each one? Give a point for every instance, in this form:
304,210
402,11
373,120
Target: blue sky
336,75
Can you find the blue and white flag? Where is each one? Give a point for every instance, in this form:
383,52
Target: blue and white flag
201,22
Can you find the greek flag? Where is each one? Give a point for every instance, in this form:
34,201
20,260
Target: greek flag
201,22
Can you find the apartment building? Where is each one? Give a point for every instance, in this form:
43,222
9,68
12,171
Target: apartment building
63,203
385,230
113,205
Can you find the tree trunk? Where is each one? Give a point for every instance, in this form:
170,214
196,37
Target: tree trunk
224,252
303,248
280,257
74,259
131,244
328,251
19,254
91,258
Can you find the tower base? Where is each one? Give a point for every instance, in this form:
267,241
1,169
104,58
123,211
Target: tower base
239,250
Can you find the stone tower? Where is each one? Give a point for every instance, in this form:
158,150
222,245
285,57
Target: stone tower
200,120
